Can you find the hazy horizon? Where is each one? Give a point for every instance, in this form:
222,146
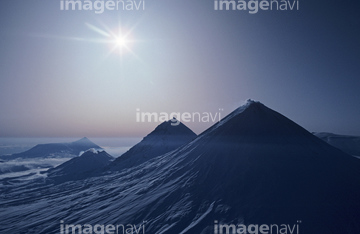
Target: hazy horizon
115,146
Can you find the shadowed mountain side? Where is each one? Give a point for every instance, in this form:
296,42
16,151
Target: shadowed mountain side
79,167
265,168
258,167
163,139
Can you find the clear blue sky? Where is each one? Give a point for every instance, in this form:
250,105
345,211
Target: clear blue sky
58,78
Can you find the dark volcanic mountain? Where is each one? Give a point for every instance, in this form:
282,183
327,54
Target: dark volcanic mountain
253,167
55,150
80,167
165,138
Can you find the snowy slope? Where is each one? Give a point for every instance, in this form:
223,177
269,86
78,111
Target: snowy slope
254,167
165,138
71,149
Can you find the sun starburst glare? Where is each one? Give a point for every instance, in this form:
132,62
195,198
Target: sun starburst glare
119,40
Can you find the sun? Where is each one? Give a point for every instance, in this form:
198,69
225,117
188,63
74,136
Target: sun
120,40
121,43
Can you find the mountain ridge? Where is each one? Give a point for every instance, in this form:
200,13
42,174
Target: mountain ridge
54,150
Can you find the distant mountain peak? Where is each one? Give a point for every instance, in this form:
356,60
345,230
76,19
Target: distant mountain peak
83,140
86,142
70,149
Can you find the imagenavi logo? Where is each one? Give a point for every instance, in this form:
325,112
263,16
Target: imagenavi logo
253,6
222,228
99,6
67,228
177,117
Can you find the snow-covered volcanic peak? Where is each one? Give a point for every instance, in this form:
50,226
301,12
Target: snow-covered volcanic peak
237,111
255,121
164,138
